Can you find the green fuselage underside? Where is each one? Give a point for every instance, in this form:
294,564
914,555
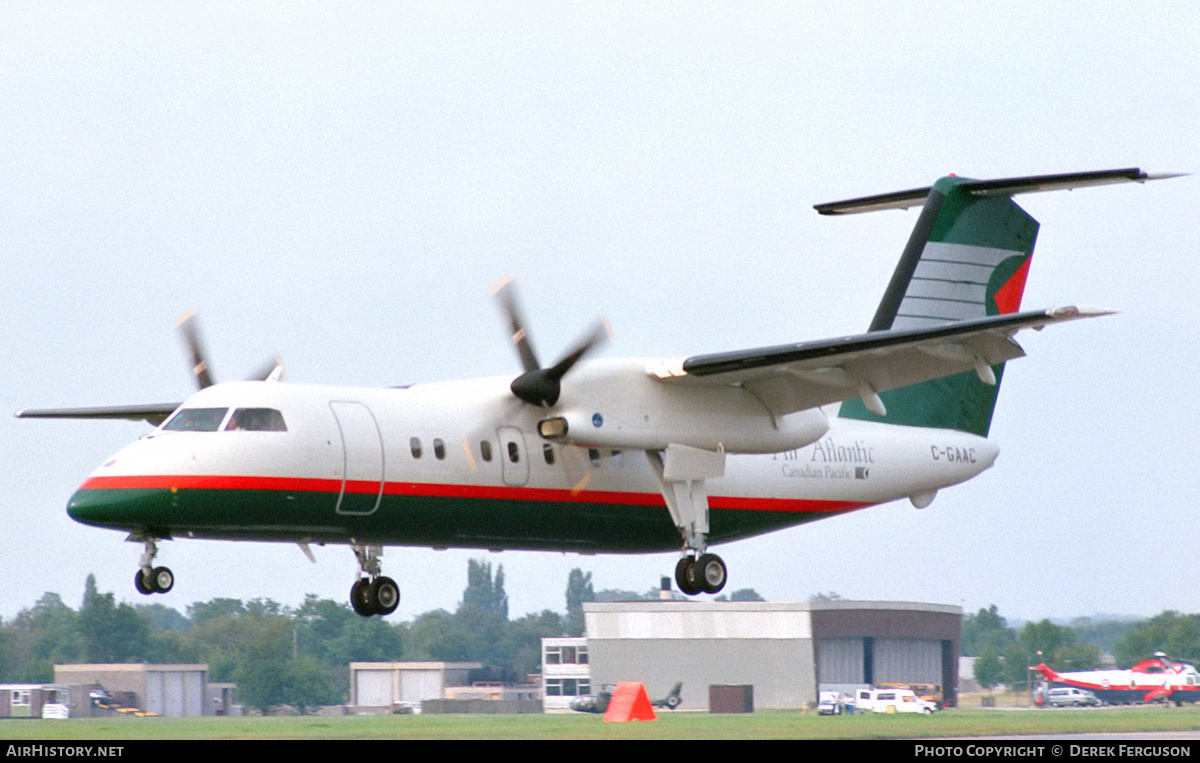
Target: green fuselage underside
438,521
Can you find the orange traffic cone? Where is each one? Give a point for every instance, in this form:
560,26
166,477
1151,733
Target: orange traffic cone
629,703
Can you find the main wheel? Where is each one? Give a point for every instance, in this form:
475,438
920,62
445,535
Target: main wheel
360,600
710,573
685,576
162,579
385,595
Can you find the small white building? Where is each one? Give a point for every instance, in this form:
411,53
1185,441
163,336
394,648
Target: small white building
174,691
566,673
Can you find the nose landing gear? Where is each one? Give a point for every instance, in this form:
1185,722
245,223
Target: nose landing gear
372,593
150,579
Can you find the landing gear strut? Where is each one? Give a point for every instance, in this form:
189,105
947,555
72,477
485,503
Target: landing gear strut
372,593
150,579
682,472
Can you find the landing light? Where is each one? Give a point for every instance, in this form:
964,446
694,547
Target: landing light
552,429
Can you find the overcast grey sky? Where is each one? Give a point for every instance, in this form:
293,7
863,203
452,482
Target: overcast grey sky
340,183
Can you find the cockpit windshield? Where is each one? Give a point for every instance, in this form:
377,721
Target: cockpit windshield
196,420
256,420
210,419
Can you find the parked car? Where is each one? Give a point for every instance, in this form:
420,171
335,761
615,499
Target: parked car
830,703
1070,696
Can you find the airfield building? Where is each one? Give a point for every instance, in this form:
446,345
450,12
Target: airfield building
786,652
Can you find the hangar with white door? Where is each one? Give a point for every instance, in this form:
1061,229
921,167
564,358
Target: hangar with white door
786,651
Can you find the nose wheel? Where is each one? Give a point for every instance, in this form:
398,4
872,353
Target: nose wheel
159,580
703,574
372,593
369,597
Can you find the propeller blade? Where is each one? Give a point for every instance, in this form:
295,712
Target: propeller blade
503,291
543,386
192,339
600,333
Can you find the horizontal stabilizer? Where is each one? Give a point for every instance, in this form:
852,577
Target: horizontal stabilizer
794,377
983,188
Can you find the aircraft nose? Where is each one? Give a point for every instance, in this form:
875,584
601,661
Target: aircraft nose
108,505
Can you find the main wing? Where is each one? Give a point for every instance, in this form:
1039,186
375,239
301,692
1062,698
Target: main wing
794,377
154,414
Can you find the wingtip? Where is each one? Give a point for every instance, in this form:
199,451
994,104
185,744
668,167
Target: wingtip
1165,175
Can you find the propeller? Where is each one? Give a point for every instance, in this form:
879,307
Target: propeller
190,338
541,386
272,370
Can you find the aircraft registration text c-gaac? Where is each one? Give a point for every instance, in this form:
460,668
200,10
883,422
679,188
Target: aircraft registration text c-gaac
952,454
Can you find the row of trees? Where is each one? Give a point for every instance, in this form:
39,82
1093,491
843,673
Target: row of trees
1005,654
298,656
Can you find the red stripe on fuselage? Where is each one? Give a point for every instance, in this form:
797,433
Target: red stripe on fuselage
441,490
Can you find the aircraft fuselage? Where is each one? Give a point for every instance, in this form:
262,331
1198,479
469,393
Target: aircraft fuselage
460,464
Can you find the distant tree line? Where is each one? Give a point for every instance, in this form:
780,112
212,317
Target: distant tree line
1006,654
296,656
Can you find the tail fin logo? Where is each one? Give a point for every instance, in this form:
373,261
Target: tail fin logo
1007,285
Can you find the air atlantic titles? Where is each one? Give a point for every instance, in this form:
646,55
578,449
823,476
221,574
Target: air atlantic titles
829,461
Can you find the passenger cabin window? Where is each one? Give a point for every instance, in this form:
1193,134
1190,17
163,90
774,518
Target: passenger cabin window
548,454
414,444
439,448
485,450
256,420
196,420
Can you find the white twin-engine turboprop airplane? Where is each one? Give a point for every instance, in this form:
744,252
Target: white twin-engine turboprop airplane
609,456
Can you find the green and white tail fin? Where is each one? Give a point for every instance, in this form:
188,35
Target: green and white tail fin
968,257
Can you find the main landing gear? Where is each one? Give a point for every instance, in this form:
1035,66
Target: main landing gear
372,593
682,472
150,579
705,573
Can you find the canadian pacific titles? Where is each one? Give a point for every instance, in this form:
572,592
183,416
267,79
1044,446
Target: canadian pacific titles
829,461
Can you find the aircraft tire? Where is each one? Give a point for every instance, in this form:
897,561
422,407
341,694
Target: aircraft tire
385,595
710,573
139,582
685,576
162,579
360,600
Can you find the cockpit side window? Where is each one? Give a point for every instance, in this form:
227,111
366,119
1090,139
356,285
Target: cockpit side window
256,420
196,420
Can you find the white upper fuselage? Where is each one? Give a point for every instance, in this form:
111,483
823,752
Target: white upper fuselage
472,440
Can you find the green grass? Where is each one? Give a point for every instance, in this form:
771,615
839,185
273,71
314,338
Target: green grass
774,724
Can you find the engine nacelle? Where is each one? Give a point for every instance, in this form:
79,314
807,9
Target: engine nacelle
735,431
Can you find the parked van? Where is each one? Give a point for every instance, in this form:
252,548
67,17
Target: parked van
891,701
1073,697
